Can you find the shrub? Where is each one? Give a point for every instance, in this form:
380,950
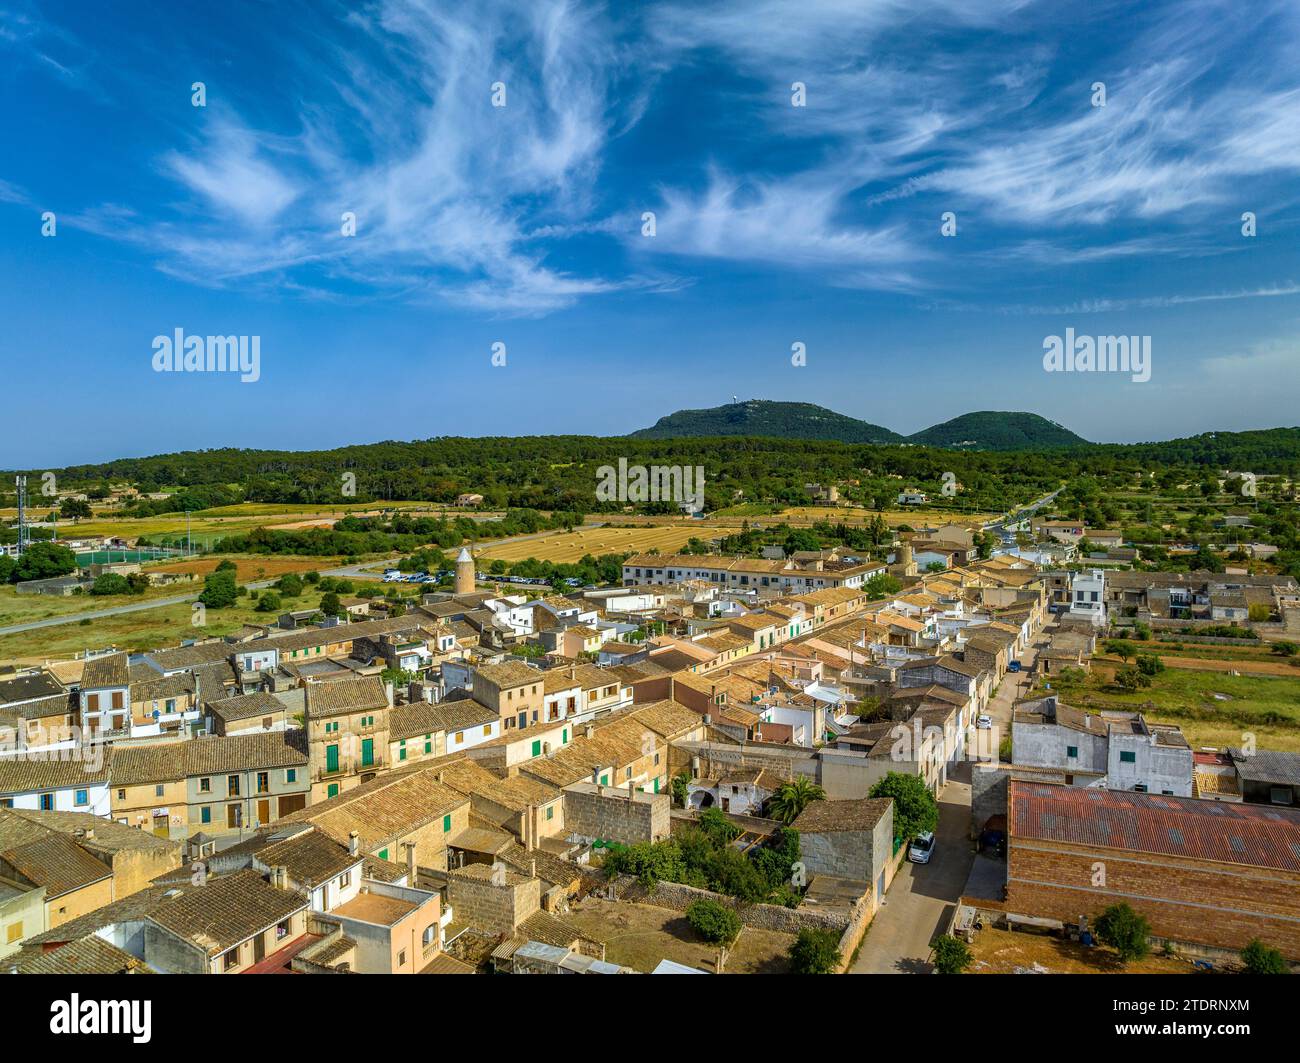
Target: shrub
815,952
269,603
110,583
1259,958
951,954
1124,930
713,921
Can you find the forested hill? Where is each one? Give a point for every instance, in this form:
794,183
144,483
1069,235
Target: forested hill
986,430
763,417
558,472
990,430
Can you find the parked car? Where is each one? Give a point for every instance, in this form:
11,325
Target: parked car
922,847
1013,666
983,721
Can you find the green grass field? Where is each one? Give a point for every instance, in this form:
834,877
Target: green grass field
167,625
1267,707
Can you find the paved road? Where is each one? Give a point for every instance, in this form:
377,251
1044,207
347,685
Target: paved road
921,900
117,610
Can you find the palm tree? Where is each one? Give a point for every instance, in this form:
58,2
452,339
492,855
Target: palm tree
793,797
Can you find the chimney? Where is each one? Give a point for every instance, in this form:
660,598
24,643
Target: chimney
411,874
388,693
532,868
354,843
589,731
280,877
440,776
573,671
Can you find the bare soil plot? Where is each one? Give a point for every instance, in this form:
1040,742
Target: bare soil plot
640,935
1012,952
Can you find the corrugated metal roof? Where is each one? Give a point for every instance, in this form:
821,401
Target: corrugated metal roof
1258,835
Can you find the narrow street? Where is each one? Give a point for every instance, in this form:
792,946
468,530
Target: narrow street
921,900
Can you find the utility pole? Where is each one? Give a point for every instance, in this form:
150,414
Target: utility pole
20,482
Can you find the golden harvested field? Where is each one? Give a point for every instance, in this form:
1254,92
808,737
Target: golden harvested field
567,547
249,568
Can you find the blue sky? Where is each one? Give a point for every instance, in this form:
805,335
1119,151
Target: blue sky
522,224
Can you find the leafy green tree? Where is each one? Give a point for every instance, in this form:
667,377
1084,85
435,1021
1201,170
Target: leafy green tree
110,583
1124,930
219,589
793,797
881,586
43,561
714,921
951,954
330,604
74,509
270,602
713,822
1149,664
915,809
815,952
226,565
1121,648
1258,958
680,788
1132,679
290,585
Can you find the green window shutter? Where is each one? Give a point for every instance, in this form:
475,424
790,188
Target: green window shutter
1071,751
401,753
537,748
656,784
564,736
446,824
331,758
550,811
333,790
205,815
383,854
367,752
604,780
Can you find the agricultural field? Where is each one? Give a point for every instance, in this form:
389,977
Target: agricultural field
18,608
1213,708
567,547
146,629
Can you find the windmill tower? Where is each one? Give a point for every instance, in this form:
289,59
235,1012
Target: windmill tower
464,572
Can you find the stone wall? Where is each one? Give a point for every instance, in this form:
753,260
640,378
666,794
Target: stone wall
606,812
774,917
490,908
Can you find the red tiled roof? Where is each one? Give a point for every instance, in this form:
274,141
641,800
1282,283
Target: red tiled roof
1256,835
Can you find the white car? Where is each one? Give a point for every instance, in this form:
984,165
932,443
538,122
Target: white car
922,847
983,721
